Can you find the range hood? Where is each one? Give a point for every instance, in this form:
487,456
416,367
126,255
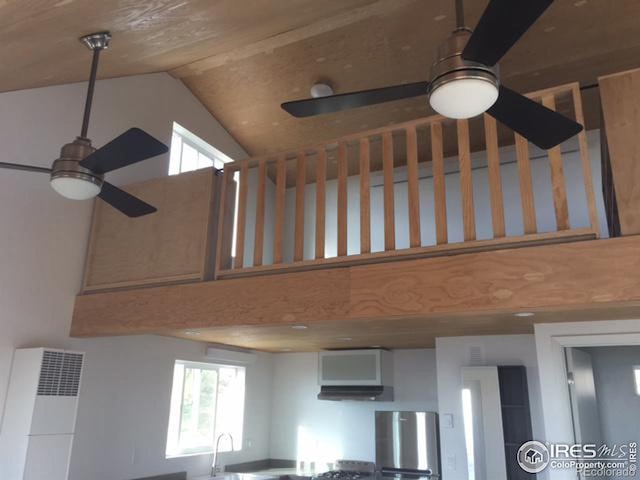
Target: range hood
371,394
364,375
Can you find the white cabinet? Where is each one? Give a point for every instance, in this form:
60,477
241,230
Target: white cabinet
367,367
39,420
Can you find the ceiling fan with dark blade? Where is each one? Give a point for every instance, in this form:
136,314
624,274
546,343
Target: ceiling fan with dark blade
465,78
79,172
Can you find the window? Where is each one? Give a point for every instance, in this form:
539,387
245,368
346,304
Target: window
636,373
189,152
206,400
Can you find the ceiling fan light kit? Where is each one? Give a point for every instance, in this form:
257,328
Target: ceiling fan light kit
461,88
78,174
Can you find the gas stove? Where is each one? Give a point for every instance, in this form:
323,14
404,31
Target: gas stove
349,470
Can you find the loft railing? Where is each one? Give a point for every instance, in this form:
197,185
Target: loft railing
319,206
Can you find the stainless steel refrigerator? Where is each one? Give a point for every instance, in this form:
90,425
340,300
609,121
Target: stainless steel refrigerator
407,444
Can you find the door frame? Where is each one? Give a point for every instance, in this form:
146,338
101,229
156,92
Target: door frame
551,339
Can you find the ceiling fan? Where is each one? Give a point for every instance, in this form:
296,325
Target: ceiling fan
465,79
79,172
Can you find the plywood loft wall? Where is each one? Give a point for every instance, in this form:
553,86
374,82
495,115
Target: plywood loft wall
620,95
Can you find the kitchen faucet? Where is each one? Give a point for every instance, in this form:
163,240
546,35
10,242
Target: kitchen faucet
215,451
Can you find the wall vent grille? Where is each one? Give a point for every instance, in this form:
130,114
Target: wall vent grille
60,374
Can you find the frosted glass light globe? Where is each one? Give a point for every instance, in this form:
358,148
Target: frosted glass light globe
463,98
75,188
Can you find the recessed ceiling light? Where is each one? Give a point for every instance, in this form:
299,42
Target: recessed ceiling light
376,346
191,332
299,327
439,18
524,314
345,339
285,349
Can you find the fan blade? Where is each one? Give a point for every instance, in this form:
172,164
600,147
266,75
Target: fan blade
538,124
344,101
500,27
132,146
26,168
125,202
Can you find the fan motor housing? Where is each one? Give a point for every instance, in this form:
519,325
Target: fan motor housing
450,66
68,165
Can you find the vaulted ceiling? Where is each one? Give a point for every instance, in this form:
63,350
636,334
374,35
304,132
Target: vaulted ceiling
243,58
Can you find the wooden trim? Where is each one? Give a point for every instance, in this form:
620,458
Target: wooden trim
321,178
224,246
342,200
466,181
495,176
242,214
216,210
365,196
281,185
413,188
258,243
439,184
586,164
298,251
557,177
389,213
526,185
448,249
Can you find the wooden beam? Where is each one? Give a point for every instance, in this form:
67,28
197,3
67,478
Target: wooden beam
413,188
495,176
466,181
258,242
325,25
321,178
583,275
342,200
388,189
365,196
301,176
439,183
278,237
526,185
558,186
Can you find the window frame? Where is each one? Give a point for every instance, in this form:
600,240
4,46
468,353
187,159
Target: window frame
218,158
636,379
205,449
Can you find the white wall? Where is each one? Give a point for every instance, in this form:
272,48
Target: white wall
307,429
618,401
453,353
42,246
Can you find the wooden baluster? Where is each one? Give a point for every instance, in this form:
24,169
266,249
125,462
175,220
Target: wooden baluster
342,199
389,213
466,181
439,184
258,242
586,165
558,185
281,186
365,196
413,187
526,185
242,213
495,177
225,222
298,252
321,189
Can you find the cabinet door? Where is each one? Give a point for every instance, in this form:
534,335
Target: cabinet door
48,457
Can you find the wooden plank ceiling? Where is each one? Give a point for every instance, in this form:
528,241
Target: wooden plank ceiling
242,59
